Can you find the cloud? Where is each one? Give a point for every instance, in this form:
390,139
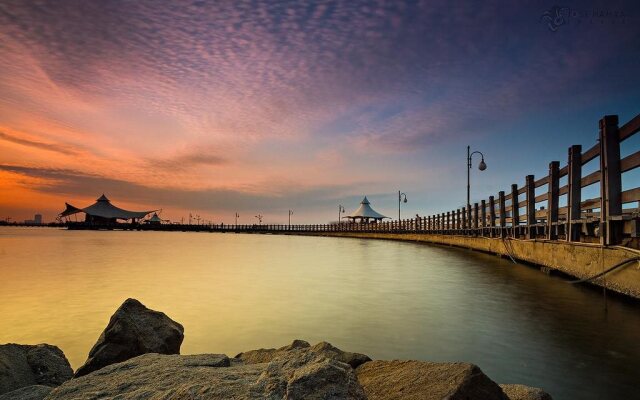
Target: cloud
55,147
73,183
188,160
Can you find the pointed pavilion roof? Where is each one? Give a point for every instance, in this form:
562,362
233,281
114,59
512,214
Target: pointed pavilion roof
155,218
365,211
104,209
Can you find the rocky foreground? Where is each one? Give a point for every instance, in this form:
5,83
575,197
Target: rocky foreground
137,357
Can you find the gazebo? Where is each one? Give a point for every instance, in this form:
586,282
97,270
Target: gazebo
154,220
365,213
102,211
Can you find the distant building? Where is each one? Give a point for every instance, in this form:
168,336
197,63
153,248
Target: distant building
102,211
154,220
365,213
37,219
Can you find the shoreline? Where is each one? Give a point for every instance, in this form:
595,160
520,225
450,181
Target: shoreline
138,356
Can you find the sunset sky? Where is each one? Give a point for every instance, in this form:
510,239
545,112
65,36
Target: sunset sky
213,107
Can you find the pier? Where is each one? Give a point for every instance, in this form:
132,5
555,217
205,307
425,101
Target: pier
584,238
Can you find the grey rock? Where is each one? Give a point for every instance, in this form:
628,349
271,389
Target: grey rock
324,379
301,373
34,392
418,380
266,355
133,330
323,348
27,365
295,374
353,359
522,392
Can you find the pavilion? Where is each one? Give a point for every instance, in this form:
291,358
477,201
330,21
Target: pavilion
154,220
365,213
102,211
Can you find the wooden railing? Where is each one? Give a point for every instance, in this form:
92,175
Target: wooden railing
602,219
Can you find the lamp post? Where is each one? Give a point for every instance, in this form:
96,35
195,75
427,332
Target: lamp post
340,211
482,166
400,200
290,214
237,215
259,216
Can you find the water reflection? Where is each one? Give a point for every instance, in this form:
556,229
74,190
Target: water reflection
383,298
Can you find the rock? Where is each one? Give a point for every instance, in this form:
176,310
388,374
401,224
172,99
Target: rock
301,373
266,355
203,376
34,392
522,392
413,380
324,348
133,330
295,374
353,359
26,365
324,379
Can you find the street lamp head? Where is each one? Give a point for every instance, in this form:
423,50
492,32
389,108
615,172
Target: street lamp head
482,166
405,199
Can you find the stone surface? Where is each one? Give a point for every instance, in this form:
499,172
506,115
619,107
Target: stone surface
266,355
26,365
294,374
34,392
133,330
353,359
300,373
522,392
323,348
413,380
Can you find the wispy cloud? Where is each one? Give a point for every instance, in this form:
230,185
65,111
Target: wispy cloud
55,147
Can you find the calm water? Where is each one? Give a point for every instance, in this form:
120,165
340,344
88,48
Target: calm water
386,299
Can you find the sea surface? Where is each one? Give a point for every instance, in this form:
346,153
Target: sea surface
387,299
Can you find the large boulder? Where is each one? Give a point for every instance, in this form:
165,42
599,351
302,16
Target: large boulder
132,331
418,380
301,373
522,392
296,374
26,365
34,392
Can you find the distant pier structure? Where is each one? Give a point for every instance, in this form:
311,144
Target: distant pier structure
365,213
102,212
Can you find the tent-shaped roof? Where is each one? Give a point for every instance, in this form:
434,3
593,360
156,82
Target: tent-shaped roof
104,209
154,218
365,211
69,210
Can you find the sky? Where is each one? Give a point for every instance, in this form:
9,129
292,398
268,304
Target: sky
258,107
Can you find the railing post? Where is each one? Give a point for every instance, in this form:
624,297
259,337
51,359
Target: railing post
530,191
475,217
483,214
448,224
457,225
553,196
574,195
492,215
610,182
515,210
